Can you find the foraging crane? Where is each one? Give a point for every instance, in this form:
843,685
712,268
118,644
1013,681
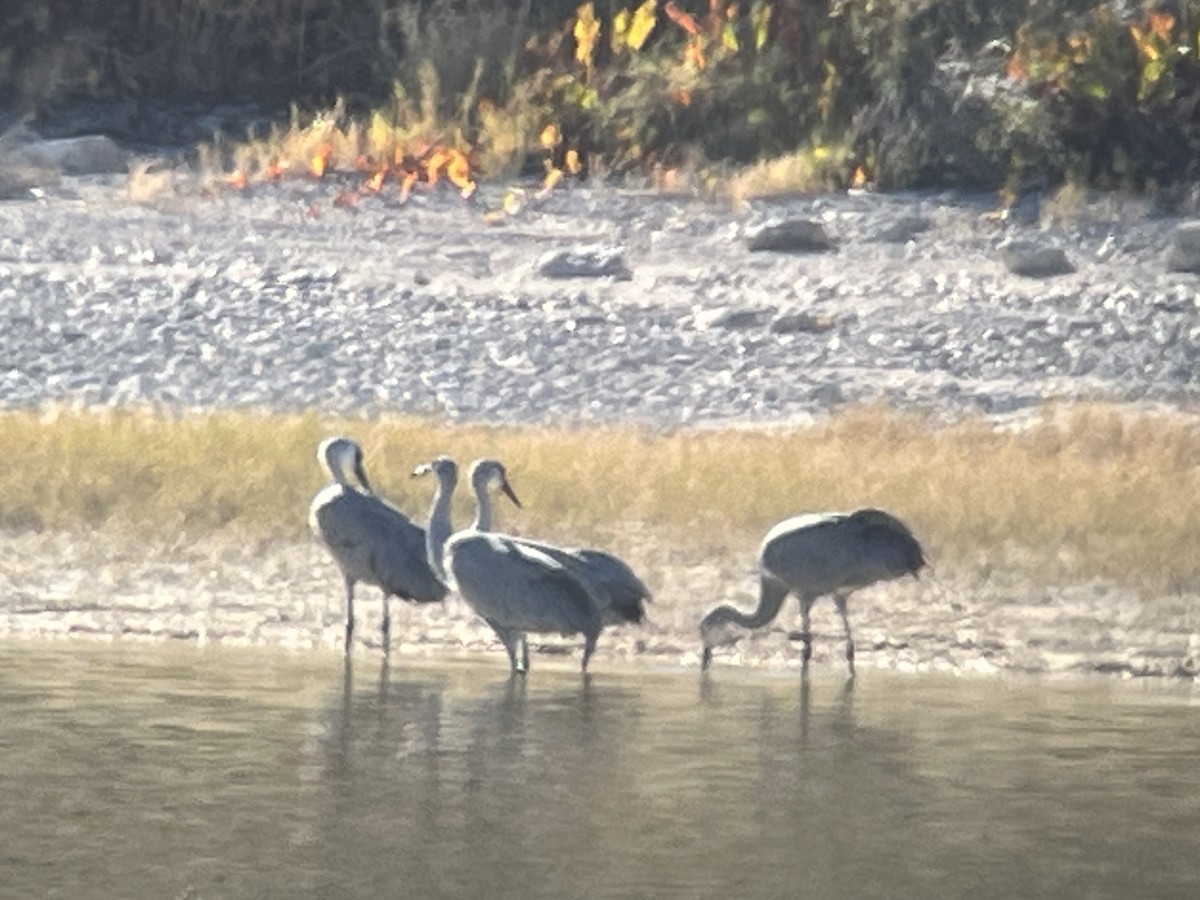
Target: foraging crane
621,594
512,586
370,540
817,554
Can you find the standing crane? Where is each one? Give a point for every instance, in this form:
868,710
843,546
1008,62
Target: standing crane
370,539
814,555
514,587
621,594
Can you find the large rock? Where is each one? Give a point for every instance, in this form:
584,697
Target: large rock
903,230
729,317
89,154
1184,253
798,321
585,262
1035,260
792,236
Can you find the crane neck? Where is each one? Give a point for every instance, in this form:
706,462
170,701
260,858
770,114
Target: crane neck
337,473
440,526
770,599
483,506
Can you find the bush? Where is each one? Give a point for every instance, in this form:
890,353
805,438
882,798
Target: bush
920,92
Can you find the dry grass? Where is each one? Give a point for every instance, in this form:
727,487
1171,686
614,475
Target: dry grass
1089,493
818,169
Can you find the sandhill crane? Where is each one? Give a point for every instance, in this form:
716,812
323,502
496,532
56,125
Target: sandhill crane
621,594
817,554
513,587
370,540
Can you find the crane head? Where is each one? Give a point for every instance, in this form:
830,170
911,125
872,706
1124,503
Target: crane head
340,455
490,473
717,630
445,468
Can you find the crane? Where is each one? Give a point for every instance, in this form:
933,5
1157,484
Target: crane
370,539
817,554
514,587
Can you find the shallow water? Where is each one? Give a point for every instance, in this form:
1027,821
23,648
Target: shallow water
152,772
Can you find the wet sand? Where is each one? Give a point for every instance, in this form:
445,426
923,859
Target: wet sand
288,594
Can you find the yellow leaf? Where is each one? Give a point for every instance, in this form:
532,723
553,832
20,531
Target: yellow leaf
550,137
573,163
729,38
512,203
620,28
587,33
643,23
553,177
1143,41
761,16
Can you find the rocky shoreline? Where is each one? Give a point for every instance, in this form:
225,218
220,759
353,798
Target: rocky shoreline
277,298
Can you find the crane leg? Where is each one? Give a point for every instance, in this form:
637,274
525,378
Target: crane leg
589,647
510,639
349,642
805,632
840,599
387,624
525,652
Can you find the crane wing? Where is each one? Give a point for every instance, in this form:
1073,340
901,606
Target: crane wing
375,542
519,586
823,552
618,591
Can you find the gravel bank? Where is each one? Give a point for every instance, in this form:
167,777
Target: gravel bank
279,299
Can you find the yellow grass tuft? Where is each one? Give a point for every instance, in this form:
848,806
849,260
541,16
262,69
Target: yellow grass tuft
813,170
1094,492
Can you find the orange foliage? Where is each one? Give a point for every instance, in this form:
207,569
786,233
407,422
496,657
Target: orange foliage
682,18
320,160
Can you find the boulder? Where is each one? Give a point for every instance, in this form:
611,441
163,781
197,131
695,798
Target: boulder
792,236
585,262
1184,252
1035,260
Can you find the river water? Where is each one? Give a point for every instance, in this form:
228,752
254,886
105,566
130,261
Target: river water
139,771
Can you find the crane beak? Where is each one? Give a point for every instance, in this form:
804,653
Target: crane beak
361,474
508,492
422,469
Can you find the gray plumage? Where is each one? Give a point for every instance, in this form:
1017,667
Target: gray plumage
370,539
814,555
513,587
621,595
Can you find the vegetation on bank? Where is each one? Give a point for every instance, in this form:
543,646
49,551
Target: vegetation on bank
1088,493
901,93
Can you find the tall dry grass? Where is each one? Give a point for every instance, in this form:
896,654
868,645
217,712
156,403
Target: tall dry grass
1089,493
